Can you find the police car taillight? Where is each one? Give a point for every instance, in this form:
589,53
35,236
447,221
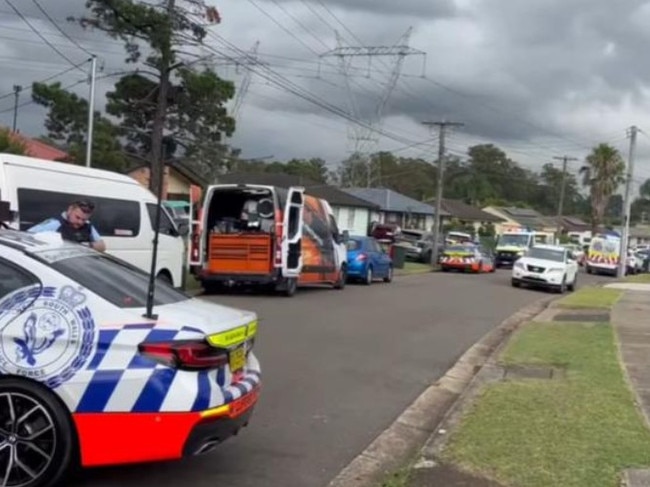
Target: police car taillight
186,354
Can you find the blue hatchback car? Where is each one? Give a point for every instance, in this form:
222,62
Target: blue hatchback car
368,261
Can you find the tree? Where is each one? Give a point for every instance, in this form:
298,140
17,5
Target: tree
67,124
551,188
166,32
10,144
603,173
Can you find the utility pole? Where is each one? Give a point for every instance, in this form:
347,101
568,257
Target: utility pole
560,206
91,110
627,202
442,126
17,90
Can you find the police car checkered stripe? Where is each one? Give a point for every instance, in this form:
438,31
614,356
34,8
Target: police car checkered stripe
117,381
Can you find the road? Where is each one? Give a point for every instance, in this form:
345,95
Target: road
338,367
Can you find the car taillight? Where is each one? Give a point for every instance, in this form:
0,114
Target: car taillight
362,257
185,354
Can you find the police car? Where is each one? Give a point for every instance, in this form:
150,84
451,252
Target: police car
548,266
82,367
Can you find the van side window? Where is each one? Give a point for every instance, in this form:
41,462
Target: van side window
112,217
166,225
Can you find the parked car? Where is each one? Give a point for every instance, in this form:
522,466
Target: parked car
467,257
418,243
385,232
546,266
367,260
90,378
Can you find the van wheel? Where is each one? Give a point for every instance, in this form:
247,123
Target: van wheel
37,433
289,287
343,277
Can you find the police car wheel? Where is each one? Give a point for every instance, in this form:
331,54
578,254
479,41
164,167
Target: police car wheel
37,438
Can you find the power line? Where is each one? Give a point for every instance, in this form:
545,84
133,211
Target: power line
36,31
48,17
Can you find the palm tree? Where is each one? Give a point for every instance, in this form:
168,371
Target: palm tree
603,173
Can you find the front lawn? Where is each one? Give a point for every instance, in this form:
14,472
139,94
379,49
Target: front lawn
591,297
577,431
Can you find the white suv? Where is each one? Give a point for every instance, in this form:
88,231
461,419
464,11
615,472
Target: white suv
548,266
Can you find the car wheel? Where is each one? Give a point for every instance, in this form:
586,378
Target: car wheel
562,288
39,444
343,278
367,280
389,276
572,287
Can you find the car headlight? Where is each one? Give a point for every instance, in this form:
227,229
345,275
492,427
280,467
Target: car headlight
520,265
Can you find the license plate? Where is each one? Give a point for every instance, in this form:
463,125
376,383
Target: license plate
237,358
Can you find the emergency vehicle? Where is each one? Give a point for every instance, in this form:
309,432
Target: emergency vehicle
260,235
82,369
604,254
512,245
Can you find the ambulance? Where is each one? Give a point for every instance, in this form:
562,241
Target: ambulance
512,245
604,254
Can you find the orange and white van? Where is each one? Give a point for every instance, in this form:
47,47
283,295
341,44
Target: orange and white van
259,235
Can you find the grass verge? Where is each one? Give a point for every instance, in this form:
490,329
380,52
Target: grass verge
591,297
644,278
574,432
400,478
413,268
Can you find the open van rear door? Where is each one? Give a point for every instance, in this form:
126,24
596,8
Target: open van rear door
292,225
195,249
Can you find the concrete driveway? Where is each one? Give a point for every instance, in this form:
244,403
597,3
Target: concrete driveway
338,367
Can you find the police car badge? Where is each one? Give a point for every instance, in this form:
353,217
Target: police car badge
50,340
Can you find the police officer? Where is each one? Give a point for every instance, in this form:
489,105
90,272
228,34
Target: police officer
74,225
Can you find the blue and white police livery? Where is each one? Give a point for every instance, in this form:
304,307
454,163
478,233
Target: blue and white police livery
78,353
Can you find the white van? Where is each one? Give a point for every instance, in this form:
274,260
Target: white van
260,235
38,189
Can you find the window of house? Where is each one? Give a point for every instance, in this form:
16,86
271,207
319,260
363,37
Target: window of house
112,217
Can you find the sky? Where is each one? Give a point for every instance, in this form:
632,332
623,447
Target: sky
539,78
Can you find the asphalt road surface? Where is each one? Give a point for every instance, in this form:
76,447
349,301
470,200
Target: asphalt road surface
338,367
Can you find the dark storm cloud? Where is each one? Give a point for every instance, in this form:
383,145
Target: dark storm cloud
419,8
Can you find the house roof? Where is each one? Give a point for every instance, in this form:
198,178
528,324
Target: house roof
572,223
38,149
332,194
526,217
389,200
461,210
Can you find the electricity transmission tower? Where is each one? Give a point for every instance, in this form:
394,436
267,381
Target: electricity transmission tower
363,140
246,80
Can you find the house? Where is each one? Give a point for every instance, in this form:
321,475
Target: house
351,213
38,149
515,219
394,207
576,229
468,215
180,182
